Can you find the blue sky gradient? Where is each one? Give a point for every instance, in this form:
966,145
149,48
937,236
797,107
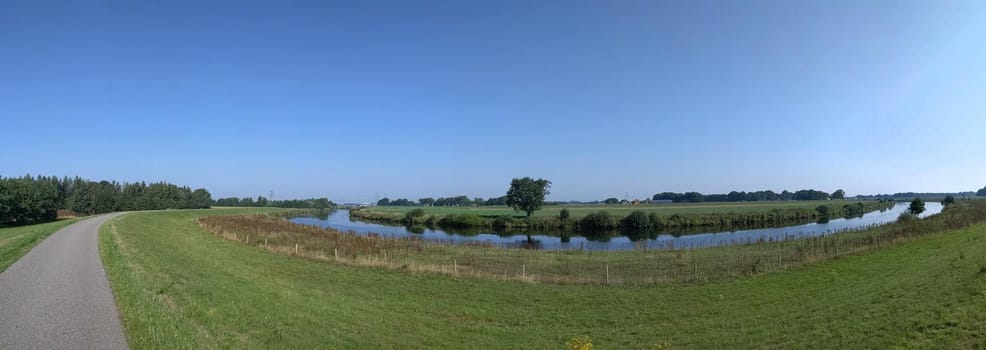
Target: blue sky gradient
413,99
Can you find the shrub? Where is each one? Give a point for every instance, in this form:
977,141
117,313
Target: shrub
461,221
636,220
823,210
905,217
597,221
502,223
412,217
565,214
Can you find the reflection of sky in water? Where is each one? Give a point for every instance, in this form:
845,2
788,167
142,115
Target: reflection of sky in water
339,220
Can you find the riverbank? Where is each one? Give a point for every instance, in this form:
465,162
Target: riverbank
639,266
640,218
179,286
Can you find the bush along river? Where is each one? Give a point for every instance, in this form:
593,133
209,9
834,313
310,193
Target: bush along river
611,240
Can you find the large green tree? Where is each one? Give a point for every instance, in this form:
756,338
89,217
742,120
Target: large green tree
916,207
527,194
839,194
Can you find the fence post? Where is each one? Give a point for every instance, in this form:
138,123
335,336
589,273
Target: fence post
695,267
523,271
455,267
607,274
335,251
265,242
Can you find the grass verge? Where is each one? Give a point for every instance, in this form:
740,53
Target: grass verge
181,287
18,240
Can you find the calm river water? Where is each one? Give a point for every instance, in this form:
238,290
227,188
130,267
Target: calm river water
339,220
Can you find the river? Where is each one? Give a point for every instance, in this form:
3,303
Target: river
339,220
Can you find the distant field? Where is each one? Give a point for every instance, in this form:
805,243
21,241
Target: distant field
18,240
181,287
578,211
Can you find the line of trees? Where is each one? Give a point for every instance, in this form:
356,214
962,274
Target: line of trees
261,201
911,195
444,201
742,196
31,199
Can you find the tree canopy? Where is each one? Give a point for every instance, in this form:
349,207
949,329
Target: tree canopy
916,207
31,199
527,194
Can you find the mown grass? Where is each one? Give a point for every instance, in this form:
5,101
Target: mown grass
18,240
181,287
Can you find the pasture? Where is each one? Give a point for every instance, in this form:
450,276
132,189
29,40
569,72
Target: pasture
179,286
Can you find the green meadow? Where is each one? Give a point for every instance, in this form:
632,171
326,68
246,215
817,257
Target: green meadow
179,286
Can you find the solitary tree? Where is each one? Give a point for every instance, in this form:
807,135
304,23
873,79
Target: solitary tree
527,194
839,194
949,200
917,206
611,200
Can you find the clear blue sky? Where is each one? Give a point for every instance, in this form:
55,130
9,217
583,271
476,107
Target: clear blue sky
416,98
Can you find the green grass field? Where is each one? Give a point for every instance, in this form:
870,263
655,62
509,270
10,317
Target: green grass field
578,211
181,287
18,240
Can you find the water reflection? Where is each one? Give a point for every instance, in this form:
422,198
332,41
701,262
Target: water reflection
613,240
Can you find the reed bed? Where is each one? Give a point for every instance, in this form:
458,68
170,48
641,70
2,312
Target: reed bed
641,266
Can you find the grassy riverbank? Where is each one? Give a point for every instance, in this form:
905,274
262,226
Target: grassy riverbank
18,240
181,287
572,266
584,218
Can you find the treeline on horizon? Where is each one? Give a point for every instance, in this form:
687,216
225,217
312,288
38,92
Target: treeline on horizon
757,196
261,201
688,197
29,199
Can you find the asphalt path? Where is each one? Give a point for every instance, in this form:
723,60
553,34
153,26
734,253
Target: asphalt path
57,295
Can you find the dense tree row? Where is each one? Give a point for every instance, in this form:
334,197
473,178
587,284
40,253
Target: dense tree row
912,195
981,192
31,199
444,202
261,201
734,196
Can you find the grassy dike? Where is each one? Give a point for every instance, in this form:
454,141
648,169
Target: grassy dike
178,286
18,240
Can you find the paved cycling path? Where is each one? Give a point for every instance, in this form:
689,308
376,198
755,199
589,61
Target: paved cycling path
57,295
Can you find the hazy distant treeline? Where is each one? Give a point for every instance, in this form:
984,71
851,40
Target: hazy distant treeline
31,199
910,195
444,201
261,201
742,196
